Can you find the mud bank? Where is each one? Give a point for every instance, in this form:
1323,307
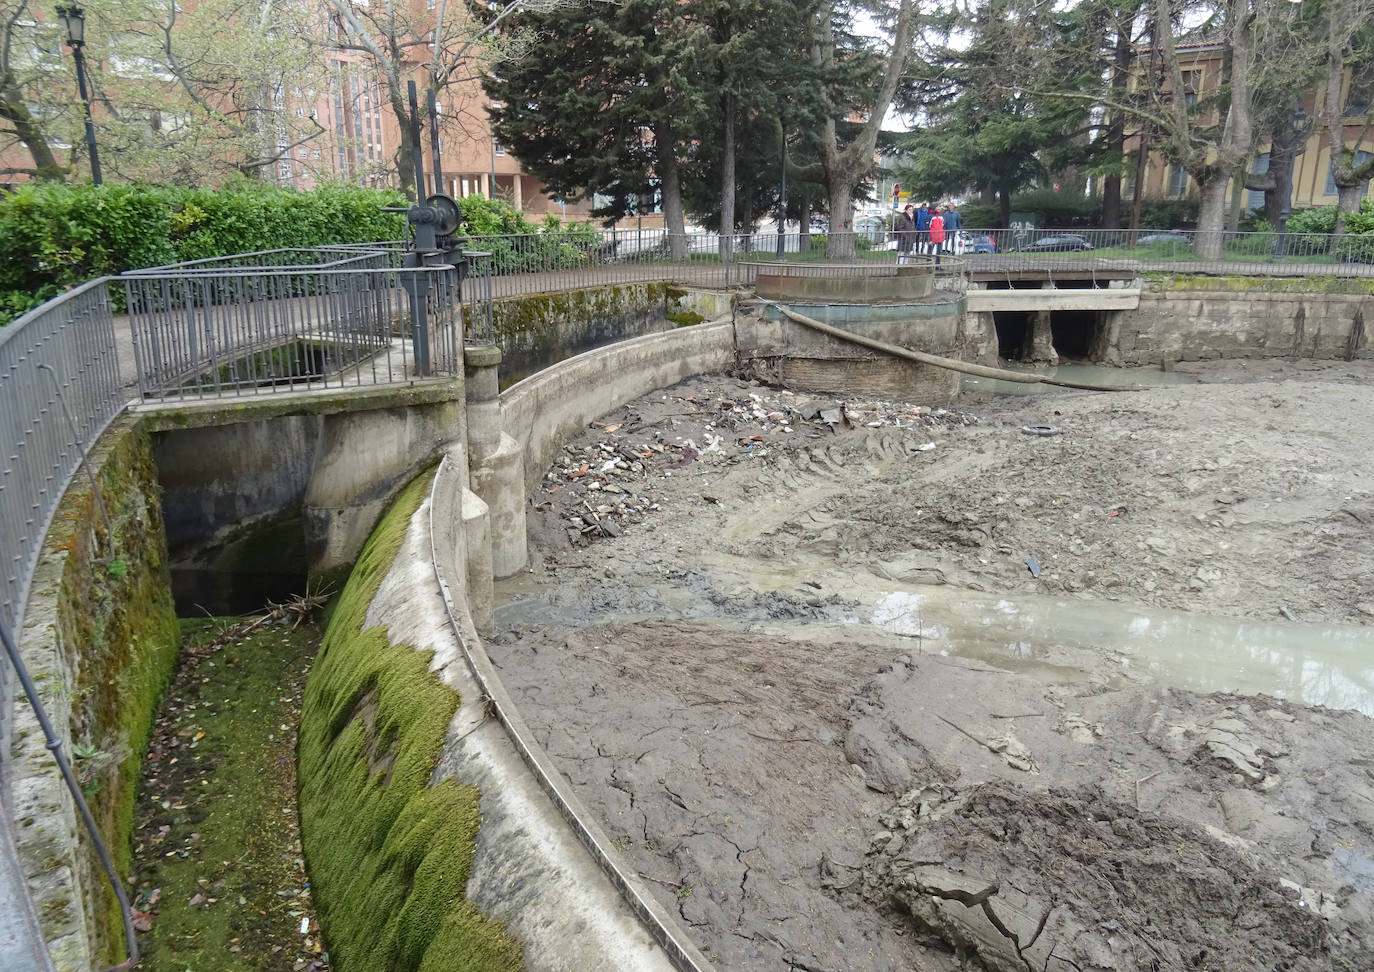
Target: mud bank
813,779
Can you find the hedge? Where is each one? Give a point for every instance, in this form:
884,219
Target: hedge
54,236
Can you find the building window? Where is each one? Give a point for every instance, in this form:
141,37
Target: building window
1361,157
1178,180
499,148
314,153
1255,199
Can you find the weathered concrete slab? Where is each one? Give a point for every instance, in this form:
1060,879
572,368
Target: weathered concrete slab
1105,298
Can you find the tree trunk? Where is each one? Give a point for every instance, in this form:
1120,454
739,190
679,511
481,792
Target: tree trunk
987,194
15,109
1116,132
1282,150
804,243
839,242
673,219
727,182
1003,208
1111,202
1211,217
1237,200
1348,199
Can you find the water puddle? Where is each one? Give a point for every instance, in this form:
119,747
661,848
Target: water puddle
1314,665
1330,665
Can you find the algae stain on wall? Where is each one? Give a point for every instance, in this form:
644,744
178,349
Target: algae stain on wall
537,331
388,854
102,635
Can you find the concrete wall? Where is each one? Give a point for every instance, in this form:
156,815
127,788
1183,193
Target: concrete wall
544,410
534,332
781,350
1197,319
305,464
100,640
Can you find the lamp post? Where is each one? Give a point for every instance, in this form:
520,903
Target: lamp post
74,22
1281,244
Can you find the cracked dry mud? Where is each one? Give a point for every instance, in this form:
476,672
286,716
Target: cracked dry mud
809,789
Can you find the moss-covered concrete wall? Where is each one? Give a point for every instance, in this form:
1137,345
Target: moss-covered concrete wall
100,639
388,853
534,332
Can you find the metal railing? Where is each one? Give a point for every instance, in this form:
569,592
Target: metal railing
535,263
209,331
59,390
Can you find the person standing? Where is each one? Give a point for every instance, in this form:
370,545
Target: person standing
937,235
922,225
953,224
905,232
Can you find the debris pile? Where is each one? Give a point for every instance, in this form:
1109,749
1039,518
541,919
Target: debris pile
607,479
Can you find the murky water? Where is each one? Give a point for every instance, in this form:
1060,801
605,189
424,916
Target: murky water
1062,639
981,389
1313,664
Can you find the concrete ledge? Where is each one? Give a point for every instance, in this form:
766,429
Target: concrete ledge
674,949
547,408
1105,298
164,416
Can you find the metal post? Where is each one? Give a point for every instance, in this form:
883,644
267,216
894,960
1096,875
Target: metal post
782,205
435,162
73,19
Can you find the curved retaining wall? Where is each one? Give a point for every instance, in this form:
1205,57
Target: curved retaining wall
546,409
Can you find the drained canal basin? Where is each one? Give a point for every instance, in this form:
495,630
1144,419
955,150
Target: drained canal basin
802,672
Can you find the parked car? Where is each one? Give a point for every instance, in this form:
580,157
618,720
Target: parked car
1174,237
1059,242
974,243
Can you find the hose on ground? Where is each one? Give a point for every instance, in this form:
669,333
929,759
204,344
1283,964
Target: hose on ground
964,367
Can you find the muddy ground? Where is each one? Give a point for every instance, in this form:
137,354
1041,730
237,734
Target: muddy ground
813,784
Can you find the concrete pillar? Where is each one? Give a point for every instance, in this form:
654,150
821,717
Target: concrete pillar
1041,348
497,464
477,538
519,198
361,459
486,186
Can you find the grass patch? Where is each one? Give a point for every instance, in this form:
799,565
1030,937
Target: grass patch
221,879
389,855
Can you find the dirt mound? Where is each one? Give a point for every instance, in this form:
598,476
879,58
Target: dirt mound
1072,879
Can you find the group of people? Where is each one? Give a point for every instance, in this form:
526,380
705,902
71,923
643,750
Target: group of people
926,229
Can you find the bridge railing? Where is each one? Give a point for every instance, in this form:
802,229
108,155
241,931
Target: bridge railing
217,329
529,263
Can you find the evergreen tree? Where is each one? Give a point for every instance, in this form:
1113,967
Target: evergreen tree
604,103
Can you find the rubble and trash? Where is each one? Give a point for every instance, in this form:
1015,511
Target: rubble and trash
604,481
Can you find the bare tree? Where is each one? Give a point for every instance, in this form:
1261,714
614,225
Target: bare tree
844,163
30,65
1344,106
450,44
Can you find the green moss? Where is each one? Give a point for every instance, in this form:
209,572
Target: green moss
686,318
216,824
388,853
118,614
1273,285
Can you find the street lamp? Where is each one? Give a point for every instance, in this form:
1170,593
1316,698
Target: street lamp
1281,244
74,22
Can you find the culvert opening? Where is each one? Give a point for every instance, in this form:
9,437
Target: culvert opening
1074,332
1013,332
259,563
